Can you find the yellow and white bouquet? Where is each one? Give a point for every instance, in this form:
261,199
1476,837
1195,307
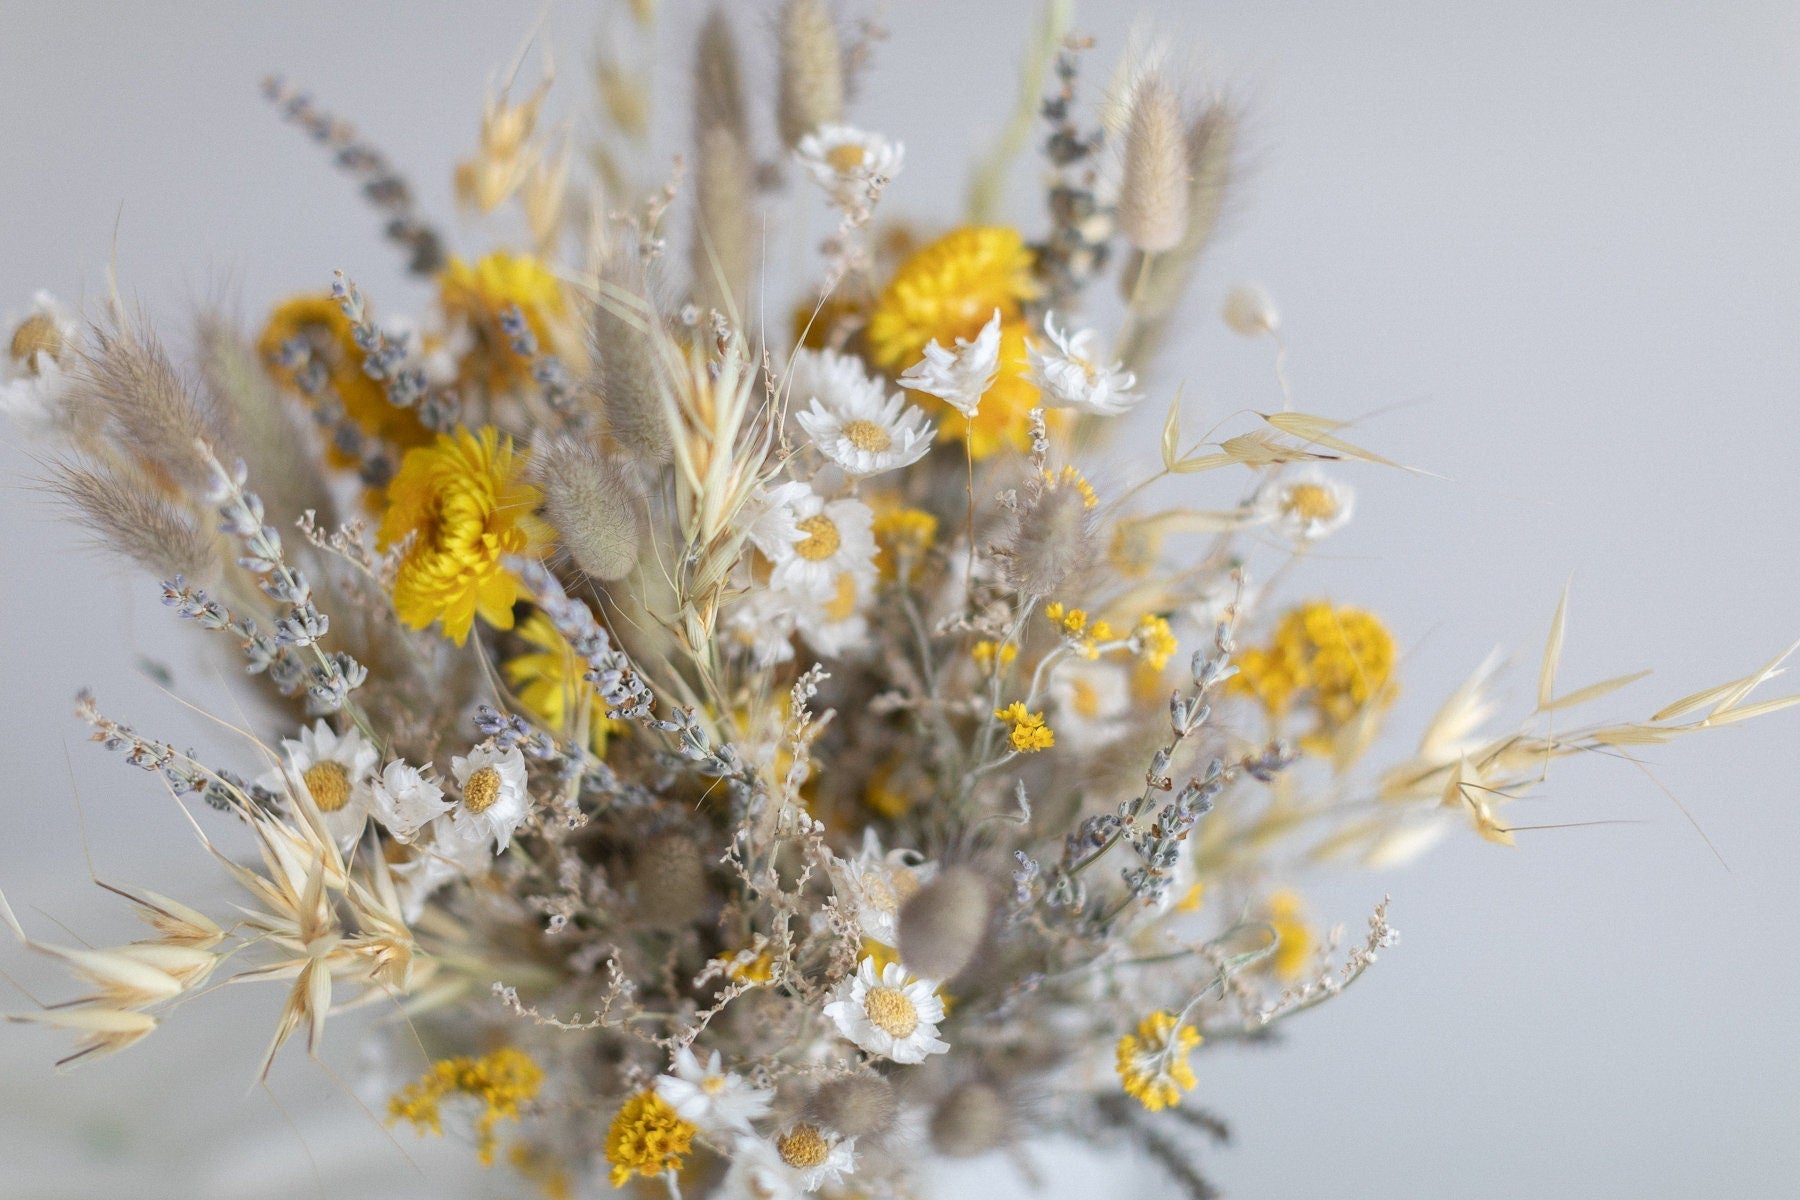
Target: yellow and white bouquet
744,737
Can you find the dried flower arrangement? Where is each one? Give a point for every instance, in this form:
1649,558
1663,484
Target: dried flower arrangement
753,757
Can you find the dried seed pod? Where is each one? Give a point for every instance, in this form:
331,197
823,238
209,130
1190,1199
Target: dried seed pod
670,873
944,923
855,1105
595,505
718,80
971,1120
722,254
626,326
1153,195
1051,539
812,70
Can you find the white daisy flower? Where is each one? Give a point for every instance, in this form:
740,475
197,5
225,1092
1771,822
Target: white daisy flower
800,1159
849,419
335,770
494,800
834,626
890,1012
763,621
1094,700
959,377
710,1098
33,375
878,883
1308,506
438,857
850,164
403,799
1069,376
812,540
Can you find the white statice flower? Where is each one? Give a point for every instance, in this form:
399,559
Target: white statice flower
494,799
335,769
1093,701
836,625
403,799
709,1097
851,164
799,1160
1070,375
33,368
812,540
1308,506
850,419
438,856
889,1012
959,377
877,883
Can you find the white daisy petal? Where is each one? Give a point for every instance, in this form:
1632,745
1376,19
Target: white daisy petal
889,1013
494,800
1068,374
961,376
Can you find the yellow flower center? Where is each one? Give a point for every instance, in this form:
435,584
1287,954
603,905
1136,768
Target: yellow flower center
867,435
482,789
802,1147
1310,502
37,335
842,605
891,1011
713,1085
1086,699
329,783
821,538
846,158
880,896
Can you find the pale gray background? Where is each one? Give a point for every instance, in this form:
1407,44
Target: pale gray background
1560,235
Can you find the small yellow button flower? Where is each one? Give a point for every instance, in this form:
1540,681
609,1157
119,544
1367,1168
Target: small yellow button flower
1153,1062
647,1138
1029,733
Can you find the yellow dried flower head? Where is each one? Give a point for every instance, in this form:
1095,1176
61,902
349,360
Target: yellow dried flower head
465,501
1029,733
1073,624
319,320
1338,659
902,536
949,290
1154,641
1294,938
551,685
646,1139
499,1082
991,655
482,292
1153,1062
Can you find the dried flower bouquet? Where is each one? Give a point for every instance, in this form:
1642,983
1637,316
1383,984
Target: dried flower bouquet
749,752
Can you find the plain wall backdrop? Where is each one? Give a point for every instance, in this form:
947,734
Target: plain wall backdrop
1549,249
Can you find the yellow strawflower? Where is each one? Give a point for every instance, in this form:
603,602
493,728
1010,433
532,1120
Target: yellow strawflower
1337,659
550,683
1153,1062
949,290
1294,938
1029,733
481,292
499,1082
320,321
646,1139
465,501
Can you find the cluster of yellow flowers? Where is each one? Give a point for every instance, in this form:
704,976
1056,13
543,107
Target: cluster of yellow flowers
1074,625
647,1138
499,1082
1029,733
1153,1062
1339,659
